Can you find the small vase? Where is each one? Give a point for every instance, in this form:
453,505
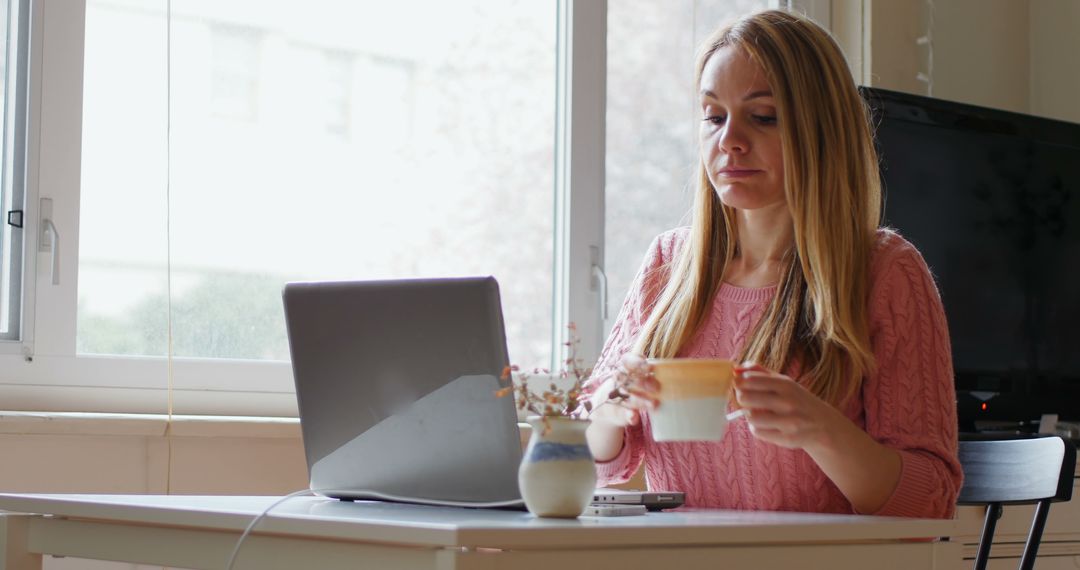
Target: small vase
557,475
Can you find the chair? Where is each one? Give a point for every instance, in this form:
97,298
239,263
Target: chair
1036,470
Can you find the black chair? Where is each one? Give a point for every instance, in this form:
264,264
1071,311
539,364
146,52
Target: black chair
1037,470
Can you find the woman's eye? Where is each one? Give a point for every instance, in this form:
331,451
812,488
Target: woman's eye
715,119
765,119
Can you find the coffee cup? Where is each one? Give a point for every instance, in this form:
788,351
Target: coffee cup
693,398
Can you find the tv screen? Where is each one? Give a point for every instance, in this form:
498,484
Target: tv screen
992,200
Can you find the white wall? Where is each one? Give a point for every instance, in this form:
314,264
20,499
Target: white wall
1017,55
1055,59
114,454
95,454
892,58
981,52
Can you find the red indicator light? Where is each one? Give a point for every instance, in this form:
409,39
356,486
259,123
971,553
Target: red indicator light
983,406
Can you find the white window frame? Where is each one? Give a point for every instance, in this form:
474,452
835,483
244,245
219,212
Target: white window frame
43,373
14,350
581,91
819,11
848,22
18,94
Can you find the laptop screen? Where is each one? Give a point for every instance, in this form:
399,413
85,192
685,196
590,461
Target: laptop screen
395,384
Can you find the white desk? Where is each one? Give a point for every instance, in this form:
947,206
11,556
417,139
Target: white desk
314,533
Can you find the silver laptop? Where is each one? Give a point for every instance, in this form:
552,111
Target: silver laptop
395,382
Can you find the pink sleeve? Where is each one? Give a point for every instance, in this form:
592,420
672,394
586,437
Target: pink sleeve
910,400
636,307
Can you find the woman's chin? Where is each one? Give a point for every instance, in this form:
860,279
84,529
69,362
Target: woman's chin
742,198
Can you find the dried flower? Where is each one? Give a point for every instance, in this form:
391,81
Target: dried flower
555,401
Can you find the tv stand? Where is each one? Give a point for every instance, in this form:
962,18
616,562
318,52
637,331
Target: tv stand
978,411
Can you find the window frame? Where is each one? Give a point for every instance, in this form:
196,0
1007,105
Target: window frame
18,95
46,374
580,130
42,372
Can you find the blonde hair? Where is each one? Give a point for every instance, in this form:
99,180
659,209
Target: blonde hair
819,313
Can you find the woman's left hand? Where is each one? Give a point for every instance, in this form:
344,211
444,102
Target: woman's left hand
781,411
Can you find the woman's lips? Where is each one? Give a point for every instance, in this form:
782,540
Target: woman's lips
737,173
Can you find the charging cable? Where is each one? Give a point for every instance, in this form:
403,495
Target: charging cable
256,520
384,497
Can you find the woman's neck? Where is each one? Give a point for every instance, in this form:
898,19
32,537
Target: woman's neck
765,239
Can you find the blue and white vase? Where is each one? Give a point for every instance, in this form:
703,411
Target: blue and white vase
557,475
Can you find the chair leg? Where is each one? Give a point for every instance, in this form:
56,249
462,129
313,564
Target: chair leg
993,513
1027,561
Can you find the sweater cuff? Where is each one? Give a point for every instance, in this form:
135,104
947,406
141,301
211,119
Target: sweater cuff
913,494
618,469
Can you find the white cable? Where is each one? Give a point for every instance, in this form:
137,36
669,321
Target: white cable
381,497
168,251
255,521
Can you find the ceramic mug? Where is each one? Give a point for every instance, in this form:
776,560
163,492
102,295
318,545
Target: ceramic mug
693,398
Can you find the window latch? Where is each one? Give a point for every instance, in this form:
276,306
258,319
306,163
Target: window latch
15,218
599,281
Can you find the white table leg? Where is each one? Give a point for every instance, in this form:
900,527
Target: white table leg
13,544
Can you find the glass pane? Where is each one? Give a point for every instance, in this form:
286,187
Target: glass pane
123,239
348,140
652,124
5,257
9,290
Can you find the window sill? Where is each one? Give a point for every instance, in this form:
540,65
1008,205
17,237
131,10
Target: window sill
154,425
146,425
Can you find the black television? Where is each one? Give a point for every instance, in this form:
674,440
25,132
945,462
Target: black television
992,200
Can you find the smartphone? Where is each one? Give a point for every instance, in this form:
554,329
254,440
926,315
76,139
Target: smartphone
612,510
653,500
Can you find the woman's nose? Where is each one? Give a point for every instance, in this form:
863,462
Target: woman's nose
732,139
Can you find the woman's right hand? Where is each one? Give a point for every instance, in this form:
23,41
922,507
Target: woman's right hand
635,382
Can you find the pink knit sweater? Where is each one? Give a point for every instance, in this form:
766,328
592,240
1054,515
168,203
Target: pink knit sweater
908,404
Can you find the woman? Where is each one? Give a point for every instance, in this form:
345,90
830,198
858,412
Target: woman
850,405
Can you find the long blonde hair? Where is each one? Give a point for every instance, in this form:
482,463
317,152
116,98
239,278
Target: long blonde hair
818,316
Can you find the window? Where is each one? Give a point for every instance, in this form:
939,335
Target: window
198,155
234,70
13,85
123,282
386,116
337,87
325,144
652,124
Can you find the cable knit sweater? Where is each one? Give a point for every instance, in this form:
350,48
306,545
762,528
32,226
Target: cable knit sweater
908,404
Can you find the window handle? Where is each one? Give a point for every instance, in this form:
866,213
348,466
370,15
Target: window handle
599,282
54,250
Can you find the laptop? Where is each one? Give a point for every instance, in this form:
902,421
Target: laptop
395,385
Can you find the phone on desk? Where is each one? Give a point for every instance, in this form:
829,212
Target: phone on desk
613,510
651,500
